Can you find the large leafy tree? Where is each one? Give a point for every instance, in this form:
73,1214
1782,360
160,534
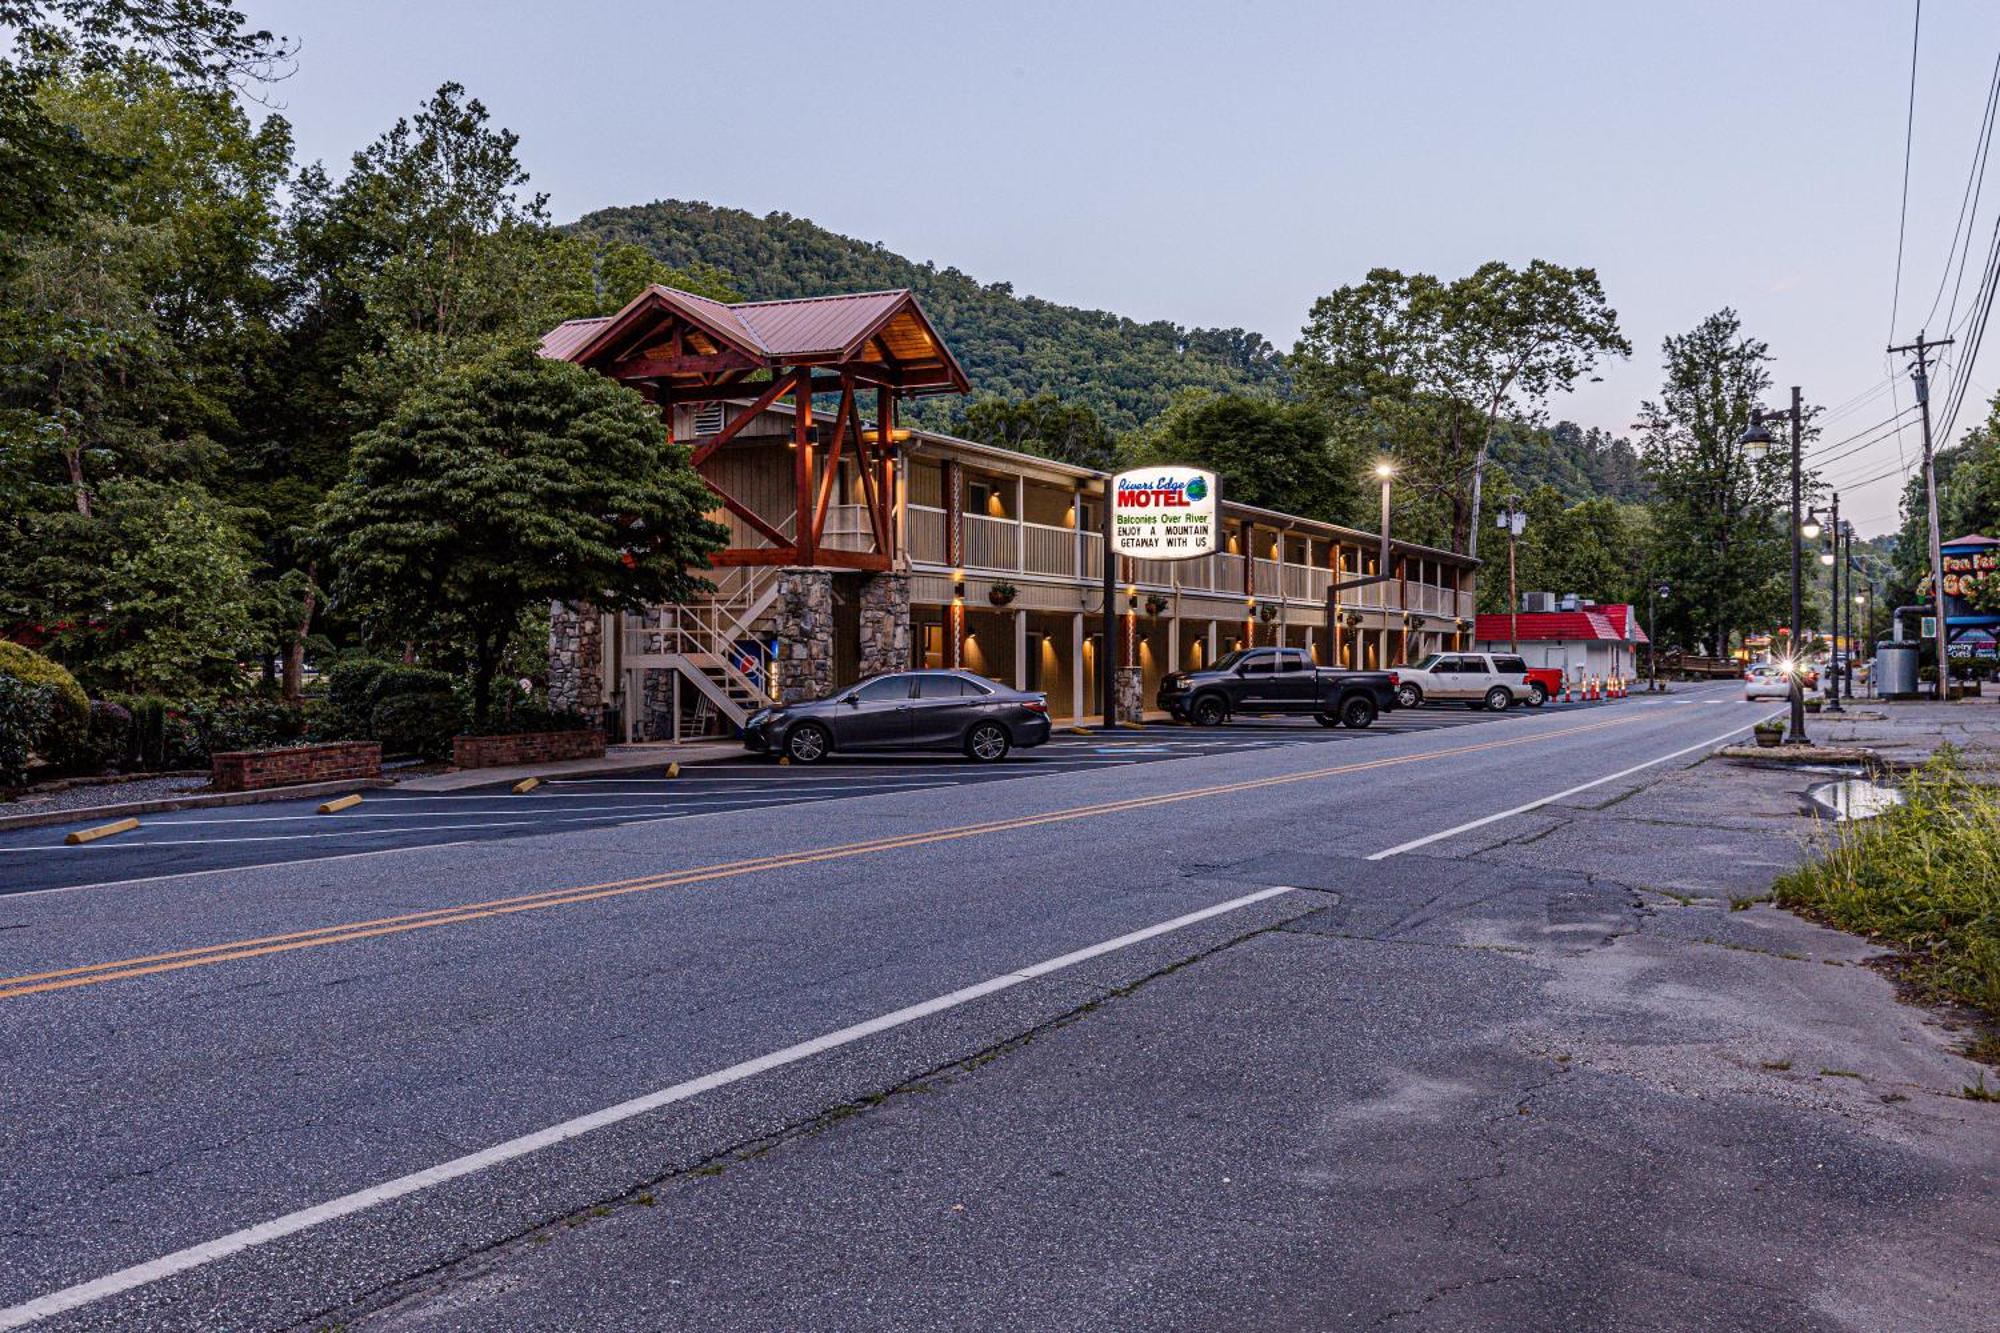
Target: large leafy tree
1721,515
1045,425
508,484
1454,359
1276,455
1597,548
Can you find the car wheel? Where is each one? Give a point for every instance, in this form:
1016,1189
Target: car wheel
808,743
1208,711
1408,696
1538,695
1357,712
1326,719
1498,700
988,743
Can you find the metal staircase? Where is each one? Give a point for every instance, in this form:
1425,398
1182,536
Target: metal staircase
718,645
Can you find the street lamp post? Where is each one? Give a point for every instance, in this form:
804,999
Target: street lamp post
1653,595
1758,441
1514,520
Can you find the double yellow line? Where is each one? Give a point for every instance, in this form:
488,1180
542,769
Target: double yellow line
94,974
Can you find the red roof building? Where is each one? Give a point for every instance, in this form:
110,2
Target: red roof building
1592,641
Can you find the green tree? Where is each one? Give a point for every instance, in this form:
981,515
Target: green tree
1721,516
1045,425
1596,548
1476,349
1275,455
506,484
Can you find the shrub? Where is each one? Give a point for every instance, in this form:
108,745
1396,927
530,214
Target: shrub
149,731
417,723
245,724
108,743
26,712
357,688
62,737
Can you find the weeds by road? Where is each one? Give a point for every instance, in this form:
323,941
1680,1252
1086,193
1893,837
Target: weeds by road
1925,876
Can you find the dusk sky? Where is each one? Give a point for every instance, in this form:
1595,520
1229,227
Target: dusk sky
1224,164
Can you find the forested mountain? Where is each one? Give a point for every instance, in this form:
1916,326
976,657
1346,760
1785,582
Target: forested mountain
1012,346
1581,464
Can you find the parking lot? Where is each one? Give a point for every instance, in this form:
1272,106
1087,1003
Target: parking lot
201,840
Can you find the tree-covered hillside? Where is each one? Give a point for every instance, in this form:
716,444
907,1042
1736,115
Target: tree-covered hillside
1012,346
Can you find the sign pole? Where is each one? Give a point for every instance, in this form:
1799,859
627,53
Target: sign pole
1111,644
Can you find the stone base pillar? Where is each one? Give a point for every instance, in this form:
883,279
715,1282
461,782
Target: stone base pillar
805,633
656,704
576,658
885,623
1131,694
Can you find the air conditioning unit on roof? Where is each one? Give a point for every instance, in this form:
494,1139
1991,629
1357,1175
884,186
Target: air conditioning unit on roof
1570,602
1538,601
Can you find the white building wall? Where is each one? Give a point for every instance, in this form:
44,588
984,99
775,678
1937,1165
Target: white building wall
1576,657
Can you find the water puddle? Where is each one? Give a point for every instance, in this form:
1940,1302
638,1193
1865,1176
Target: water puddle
1854,798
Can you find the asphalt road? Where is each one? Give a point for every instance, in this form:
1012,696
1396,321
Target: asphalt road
200,840
271,1096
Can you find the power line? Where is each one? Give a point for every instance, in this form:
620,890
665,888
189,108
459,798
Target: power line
1819,451
1909,137
1975,184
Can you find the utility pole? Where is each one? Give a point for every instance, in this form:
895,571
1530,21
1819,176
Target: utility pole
1920,376
1835,663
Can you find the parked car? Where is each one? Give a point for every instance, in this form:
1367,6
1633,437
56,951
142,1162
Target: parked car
1277,680
905,710
1769,680
1477,680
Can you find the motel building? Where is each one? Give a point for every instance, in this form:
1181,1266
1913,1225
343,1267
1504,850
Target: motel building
858,546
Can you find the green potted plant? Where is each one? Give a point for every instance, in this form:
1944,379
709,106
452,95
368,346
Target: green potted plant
1769,732
1001,593
1155,604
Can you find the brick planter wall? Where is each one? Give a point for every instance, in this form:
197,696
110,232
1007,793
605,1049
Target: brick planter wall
532,747
250,770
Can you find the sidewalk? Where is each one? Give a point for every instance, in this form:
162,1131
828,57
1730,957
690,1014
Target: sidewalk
645,757
1907,732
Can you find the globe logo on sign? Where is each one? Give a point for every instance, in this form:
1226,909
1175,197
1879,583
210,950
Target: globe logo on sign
1197,489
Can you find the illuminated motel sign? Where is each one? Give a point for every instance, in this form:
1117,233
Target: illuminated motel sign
1165,513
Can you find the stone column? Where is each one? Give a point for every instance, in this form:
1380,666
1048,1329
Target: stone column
1131,694
576,658
885,623
805,634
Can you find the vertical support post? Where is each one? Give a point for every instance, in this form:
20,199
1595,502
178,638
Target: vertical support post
1110,643
802,478
1020,650
1834,661
894,497
1076,665
954,516
954,634
1798,736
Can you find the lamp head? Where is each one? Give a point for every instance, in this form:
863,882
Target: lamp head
1826,558
1810,528
1757,440
1385,469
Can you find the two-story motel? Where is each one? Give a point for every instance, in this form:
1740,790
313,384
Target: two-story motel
856,546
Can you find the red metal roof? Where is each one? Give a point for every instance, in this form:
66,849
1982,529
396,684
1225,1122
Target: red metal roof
813,330
1593,624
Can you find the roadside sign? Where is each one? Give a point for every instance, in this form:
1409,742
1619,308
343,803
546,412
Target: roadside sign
1929,630
1165,513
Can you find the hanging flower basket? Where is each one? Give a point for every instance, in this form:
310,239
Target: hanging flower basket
1267,614
1000,594
1464,625
1351,619
1155,604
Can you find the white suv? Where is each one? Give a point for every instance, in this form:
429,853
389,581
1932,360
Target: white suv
1478,680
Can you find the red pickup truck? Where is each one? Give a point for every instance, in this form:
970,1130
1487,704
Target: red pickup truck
1544,683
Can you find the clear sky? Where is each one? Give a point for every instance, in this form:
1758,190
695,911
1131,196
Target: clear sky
1225,163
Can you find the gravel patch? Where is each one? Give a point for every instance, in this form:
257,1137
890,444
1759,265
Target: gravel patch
104,793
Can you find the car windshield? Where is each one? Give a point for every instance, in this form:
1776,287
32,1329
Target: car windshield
1229,660
1430,663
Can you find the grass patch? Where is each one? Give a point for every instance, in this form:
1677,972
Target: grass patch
1923,876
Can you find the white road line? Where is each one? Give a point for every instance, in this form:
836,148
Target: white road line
196,1256
1469,825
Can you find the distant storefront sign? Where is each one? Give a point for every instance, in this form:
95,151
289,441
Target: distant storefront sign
1165,513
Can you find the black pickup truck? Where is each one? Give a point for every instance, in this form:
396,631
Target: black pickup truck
1277,680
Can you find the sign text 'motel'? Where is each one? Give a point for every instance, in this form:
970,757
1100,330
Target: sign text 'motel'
1165,513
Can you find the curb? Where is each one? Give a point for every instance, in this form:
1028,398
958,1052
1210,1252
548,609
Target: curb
196,801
